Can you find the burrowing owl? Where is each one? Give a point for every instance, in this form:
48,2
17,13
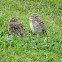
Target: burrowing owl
36,24
15,27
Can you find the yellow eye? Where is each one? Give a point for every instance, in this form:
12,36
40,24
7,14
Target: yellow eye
12,19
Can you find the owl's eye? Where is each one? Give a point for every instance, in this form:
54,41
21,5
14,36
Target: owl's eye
15,20
12,19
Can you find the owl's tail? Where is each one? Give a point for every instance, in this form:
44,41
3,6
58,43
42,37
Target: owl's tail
44,31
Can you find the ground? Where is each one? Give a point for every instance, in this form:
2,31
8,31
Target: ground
30,48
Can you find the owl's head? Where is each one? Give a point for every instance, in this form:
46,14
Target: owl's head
34,16
13,19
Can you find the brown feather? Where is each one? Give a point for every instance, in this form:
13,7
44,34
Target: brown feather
15,28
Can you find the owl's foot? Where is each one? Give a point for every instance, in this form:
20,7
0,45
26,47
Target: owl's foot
37,35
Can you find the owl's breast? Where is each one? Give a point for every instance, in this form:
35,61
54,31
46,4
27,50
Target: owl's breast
31,26
35,27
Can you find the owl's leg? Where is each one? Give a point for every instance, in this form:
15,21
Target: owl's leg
37,34
45,40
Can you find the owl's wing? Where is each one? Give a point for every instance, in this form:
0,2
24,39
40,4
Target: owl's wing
20,28
42,25
13,27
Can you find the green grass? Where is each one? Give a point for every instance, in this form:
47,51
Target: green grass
31,48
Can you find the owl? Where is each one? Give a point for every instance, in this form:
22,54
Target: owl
15,27
36,24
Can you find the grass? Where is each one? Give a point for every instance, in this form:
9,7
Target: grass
31,48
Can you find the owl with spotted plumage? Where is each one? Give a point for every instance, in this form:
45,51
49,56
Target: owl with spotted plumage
15,27
36,24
